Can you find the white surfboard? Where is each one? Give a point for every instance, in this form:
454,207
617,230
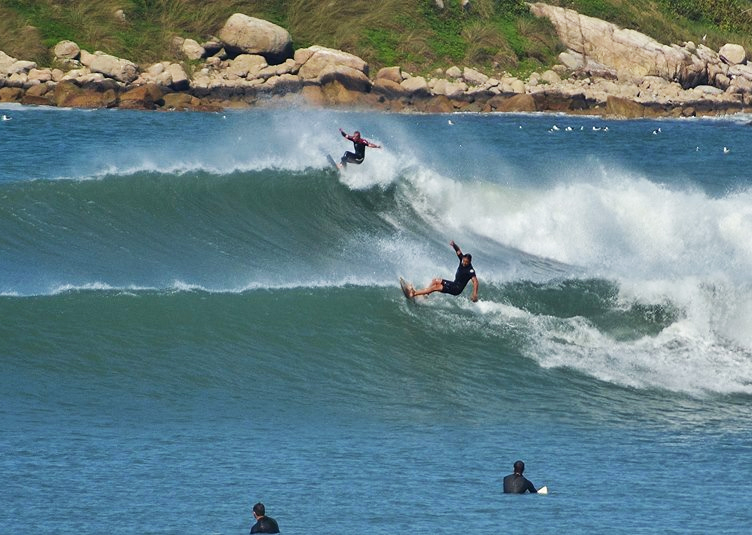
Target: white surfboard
543,490
406,289
332,162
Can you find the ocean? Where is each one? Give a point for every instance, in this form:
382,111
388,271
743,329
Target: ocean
198,313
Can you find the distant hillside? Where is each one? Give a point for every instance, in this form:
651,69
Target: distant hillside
492,35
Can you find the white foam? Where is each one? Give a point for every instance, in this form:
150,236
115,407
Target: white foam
681,248
679,359
94,286
622,226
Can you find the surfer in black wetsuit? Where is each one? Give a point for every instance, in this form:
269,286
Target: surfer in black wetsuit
360,149
516,483
465,273
264,524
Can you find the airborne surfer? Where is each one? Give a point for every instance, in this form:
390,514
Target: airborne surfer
465,273
360,144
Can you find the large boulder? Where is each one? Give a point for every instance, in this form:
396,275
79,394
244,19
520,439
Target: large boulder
337,94
38,95
270,71
454,72
145,97
312,95
516,103
5,61
119,69
192,50
393,74
630,53
447,88
436,104
550,77
416,86
242,34
282,84
473,77
66,50
10,65
733,54
21,67
624,108
316,60
351,79
246,65
11,94
179,80
69,95
41,75
388,88
178,101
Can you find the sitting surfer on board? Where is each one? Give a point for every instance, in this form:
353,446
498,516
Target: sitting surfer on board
360,149
264,524
465,273
516,483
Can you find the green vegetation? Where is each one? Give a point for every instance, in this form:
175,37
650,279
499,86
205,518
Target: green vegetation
492,35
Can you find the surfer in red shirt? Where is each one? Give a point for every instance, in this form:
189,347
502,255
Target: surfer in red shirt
360,144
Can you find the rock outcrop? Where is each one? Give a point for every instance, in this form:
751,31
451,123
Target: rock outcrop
606,70
66,50
324,65
119,69
628,52
242,34
732,54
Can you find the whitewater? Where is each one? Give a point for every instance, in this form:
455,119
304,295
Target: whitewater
199,313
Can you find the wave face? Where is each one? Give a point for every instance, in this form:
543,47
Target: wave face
187,296
596,261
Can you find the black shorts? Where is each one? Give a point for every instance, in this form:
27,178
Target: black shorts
350,157
450,287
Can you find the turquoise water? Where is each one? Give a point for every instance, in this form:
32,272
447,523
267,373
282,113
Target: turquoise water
199,314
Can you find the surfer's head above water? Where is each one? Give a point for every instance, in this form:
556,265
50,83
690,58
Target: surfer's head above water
519,467
467,259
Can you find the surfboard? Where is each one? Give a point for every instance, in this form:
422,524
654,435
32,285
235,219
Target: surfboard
543,490
331,161
406,287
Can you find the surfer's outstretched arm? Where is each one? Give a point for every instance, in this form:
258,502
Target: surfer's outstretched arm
456,248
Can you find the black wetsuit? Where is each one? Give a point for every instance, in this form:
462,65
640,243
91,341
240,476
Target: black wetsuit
518,484
359,155
265,524
461,278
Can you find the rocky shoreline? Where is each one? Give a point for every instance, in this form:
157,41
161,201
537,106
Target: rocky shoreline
606,71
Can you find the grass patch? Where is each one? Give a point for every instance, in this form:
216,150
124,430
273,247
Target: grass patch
383,45
20,40
492,35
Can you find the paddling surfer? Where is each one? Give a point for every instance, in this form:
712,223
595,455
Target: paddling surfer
465,273
360,145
